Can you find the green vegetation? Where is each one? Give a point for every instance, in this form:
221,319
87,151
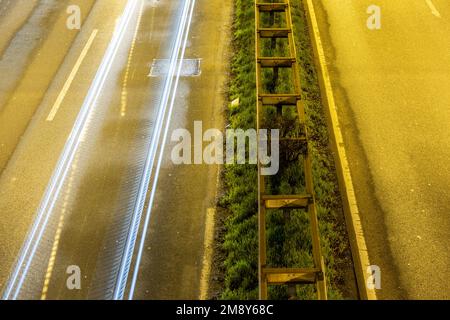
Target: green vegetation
288,237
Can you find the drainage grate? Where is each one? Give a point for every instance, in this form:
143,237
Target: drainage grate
189,68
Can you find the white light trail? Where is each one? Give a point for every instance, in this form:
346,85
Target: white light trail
167,100
158,167
56,182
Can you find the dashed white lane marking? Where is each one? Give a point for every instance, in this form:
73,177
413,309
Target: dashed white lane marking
434,11
28,253
71,77
56,240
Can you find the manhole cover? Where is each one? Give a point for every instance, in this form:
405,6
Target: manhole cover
189,68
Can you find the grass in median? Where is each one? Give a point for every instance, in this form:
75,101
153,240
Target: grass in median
289,238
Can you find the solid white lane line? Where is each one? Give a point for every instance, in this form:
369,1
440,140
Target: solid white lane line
71,77
434,11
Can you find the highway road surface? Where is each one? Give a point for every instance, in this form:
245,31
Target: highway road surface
392,91
183,211
85,180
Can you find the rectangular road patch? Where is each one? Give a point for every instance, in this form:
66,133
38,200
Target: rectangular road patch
189,68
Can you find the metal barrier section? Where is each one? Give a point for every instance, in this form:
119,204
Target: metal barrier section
274,35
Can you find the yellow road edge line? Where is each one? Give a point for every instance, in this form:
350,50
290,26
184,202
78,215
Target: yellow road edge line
54,251
71,77
124,94
351,210
208,253
51,262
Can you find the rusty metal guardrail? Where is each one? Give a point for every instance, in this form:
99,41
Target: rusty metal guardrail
270,33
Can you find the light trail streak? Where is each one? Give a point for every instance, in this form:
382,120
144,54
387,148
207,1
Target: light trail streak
170,88
56,182
155,181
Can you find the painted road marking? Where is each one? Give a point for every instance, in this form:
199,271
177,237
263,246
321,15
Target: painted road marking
56,240
30,246
54,250
167,102
208,252
51,262
189,68
71,77
124,95
359,247
434,11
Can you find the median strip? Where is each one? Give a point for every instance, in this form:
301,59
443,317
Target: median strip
289,238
